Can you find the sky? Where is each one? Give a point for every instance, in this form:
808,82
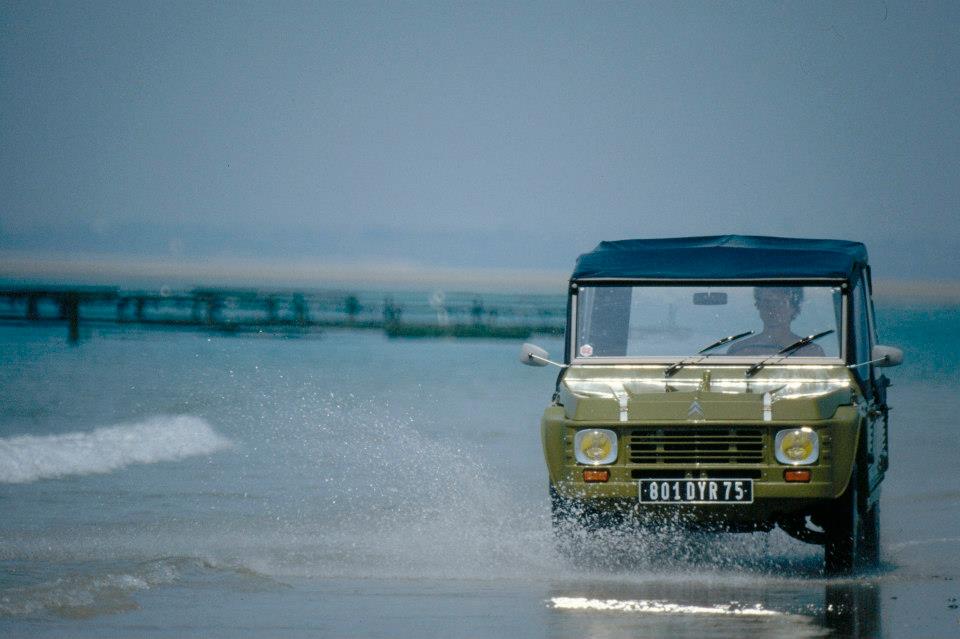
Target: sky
453,136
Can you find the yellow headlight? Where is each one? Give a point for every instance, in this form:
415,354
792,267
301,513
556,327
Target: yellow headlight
797,446
595,446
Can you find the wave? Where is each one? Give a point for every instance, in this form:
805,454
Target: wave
28,458
109,589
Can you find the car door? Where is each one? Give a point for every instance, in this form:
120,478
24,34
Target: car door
874,389
880,383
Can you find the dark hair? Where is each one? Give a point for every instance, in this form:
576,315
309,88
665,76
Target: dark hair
793,293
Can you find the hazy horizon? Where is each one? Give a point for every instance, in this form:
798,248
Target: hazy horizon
459,137
147,274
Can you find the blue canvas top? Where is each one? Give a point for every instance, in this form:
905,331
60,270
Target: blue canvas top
722,257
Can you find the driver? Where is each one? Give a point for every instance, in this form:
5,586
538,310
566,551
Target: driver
778,307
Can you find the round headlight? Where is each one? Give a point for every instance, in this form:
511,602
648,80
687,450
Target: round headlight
595,446
797,446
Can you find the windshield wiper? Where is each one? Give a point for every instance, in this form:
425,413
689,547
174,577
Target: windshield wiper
787,351
673,368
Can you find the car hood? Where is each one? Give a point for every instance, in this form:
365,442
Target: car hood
699,393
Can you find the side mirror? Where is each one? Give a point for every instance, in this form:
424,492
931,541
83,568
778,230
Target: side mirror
887,355
533,355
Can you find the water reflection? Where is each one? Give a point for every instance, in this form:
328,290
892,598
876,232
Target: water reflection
725,605
853,609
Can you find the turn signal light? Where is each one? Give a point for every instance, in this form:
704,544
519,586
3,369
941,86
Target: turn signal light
596,475
796,475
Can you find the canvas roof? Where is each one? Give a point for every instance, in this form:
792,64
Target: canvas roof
721,257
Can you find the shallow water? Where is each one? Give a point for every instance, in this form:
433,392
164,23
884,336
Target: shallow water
172,484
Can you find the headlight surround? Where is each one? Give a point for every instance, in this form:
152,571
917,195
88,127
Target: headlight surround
797,446
595,446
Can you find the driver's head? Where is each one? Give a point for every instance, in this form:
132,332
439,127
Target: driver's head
778,304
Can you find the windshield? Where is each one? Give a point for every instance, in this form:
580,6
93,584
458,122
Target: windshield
680,321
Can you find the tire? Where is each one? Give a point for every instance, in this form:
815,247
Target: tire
585,533
870,557
563,512
853,531
566,519
841,548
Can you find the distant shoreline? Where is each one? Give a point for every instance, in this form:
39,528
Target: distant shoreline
305,274
19,268
917,291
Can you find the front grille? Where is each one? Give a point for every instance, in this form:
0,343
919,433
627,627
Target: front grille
711,445
712,473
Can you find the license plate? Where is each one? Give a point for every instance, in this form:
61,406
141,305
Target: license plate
696,491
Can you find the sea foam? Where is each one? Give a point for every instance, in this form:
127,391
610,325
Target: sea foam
27,458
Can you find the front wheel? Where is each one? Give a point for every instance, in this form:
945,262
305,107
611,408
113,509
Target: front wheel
853,531
563,512
871,537
566,519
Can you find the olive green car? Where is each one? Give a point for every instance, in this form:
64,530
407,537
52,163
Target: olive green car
728,383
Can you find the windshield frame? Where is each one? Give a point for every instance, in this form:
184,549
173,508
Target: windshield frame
571,338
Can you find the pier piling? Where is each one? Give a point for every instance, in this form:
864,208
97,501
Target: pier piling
249,310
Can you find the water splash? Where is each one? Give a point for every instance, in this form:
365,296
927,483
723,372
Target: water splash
391,500
395,497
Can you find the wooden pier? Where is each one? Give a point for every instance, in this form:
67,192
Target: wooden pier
459,315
